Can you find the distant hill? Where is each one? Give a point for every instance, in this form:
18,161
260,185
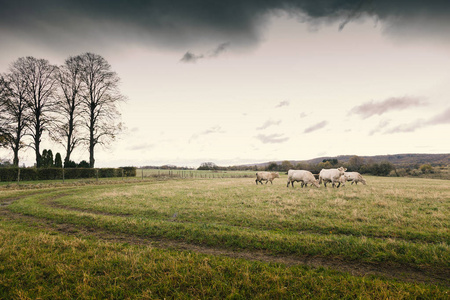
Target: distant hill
403,160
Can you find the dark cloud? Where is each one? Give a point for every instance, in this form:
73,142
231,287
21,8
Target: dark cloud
371,108
272,138
189,57
268,124
181,23
220,49
192,58
315,127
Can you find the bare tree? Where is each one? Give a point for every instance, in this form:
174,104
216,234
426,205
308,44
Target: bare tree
5,94
38,76
70,84
13,121
100,99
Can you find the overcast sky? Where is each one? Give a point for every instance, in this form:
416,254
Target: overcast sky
247,81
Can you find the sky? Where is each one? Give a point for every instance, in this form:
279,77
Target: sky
242,82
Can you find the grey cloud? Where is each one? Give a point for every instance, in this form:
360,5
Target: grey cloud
380,126
268,124
220,49
189,57
315,127
272,138
143,146
371,108
282,103
179,23
442,118
407,127
212,130
192,58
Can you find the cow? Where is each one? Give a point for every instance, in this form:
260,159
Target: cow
267,176
355,177
303,176
331,175
342,180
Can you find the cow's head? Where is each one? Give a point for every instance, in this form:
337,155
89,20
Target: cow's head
342,170
276,175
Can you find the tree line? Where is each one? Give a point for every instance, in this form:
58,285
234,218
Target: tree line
355,163
75,103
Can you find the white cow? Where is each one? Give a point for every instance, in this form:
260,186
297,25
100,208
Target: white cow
267,176
355,177
331,175
342,180
303,176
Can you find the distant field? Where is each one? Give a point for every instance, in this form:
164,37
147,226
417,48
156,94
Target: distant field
213,237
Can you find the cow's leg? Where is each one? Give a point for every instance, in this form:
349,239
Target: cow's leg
256,181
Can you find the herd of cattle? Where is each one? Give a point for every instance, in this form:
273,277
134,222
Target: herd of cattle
337,177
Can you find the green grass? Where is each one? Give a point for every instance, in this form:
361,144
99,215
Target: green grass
391,222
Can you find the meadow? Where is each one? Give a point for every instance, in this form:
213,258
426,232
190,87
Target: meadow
224,237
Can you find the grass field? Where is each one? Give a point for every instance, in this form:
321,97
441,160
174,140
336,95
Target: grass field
203,238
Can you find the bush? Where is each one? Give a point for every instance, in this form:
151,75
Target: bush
129,171
70,164
29,174
426,168
83,164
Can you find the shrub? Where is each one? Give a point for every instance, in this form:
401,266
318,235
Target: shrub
29,174
58,160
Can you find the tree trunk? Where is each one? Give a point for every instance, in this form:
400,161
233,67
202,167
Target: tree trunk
16,157
91,149
69,141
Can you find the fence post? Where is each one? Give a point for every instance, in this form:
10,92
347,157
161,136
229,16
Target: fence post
122,174
18,175
96,173
142,174
63,174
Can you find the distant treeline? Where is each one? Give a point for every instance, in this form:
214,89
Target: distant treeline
167,167
353,164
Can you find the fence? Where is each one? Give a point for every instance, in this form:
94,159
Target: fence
145,173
